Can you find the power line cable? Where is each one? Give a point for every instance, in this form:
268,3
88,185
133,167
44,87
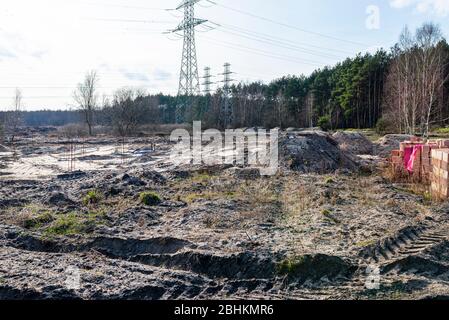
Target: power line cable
279,39
290,47
287,25
123,6
130,20
262,52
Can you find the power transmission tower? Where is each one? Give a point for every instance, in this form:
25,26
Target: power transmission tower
227,110
189,84
207,77
207,89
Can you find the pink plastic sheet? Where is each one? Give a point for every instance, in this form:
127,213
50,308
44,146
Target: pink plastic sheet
413,153
407,156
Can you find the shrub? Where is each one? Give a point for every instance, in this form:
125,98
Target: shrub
442,131
381,126
92,197
73,130
324,123
150,198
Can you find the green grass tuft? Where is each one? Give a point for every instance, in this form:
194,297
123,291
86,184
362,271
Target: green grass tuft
92,197
150,198
290,266
75,224
66,225
39,221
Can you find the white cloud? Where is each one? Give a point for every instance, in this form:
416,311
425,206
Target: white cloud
435,7
47,48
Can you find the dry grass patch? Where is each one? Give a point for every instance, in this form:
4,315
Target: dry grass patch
207,195
259,192
297,199
29,217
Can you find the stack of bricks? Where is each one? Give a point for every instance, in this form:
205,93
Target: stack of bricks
397,160
440,173
426,163
430,165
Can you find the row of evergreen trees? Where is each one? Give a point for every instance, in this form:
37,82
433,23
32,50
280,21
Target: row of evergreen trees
348,95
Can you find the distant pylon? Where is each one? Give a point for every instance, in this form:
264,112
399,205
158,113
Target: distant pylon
189,84
207,89
227,109
206,84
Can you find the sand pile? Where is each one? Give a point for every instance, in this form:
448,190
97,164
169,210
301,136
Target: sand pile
391,142
313,152
354,142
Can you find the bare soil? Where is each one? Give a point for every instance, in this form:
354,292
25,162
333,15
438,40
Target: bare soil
212,232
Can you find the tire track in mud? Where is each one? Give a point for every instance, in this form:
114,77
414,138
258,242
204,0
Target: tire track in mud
407,242
409,247
238,276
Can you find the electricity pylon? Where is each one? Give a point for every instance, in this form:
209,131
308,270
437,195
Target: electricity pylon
207,89
207,77
189,84
227,114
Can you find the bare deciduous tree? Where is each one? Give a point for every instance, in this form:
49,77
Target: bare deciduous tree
14,119
416,76
86,98
126,110
430,61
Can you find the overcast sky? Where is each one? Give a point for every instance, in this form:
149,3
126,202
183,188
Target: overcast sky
46,46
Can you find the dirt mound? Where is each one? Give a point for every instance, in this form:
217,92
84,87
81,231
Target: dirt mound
354,142
130,247
132,181
71,175
316,267
95,158
390,142
111,247
313,152
249,266
60,199
242,266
